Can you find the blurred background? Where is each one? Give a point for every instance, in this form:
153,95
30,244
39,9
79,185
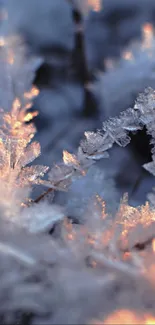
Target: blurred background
96,56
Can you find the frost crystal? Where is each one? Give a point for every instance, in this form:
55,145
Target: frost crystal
17,130
95,145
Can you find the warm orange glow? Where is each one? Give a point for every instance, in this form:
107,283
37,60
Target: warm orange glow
148,33
150,321
16,106
153,245
127,317
32,93
95,4
70,237
147,42
100,203
70,234
128,55
129,217
29,116
126,256
93,264
18,116
69,159
122,317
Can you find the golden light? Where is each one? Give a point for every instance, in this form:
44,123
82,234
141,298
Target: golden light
126,317
16,105
148,34
150,321
122,317
69,159
153,245
95,4
147,42
29,116
128,55
70,237
32,93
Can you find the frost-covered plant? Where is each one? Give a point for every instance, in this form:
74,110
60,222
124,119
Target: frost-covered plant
117,129
16,151
44,279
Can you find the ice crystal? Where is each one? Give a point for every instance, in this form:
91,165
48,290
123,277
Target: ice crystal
17,129
61,175
95,146
116,130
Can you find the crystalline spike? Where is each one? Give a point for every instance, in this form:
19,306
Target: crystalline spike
69,159
30,154
150,167
60,172
95,142
32,174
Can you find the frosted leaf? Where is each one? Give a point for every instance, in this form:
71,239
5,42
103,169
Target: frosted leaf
11,150
58,186
130,120
123,141
83,159
14,155
146,118
145,104
14,125
114,128
59,173
145,101
16,95
30,154
74,163
94,143
70,160
32,174
61,176
117,128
